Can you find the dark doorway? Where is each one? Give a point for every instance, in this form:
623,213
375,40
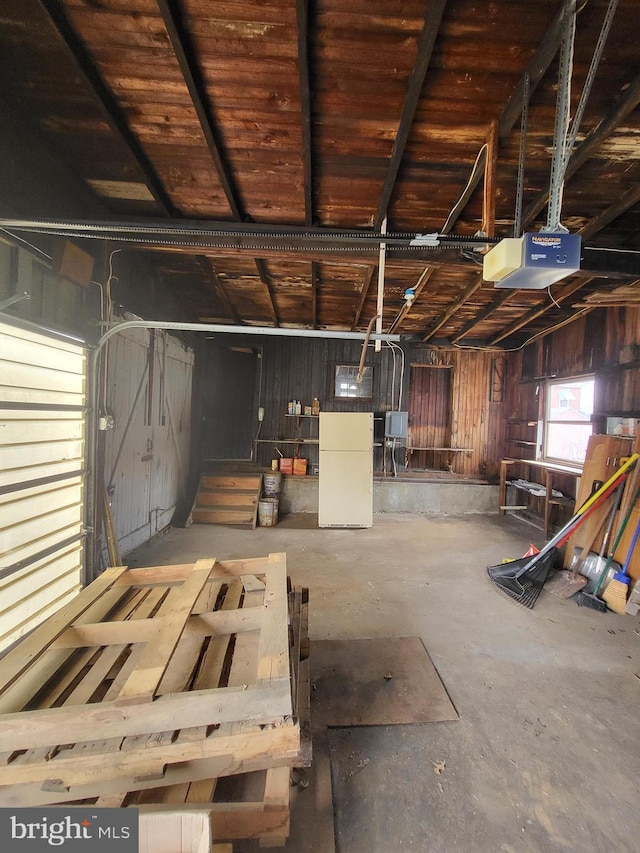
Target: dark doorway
230,409
429,417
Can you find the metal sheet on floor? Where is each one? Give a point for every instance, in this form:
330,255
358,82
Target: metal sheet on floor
376,682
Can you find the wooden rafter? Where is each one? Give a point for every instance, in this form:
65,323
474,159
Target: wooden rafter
490,309
567,291
624,203
592,141
193,80
209,270
85,66
426,43
468,292
315,276
265,278
302,18
535,71
406,309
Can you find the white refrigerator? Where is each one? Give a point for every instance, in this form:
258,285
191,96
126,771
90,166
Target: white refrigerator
346,469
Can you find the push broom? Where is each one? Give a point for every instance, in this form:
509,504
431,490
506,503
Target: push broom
522,580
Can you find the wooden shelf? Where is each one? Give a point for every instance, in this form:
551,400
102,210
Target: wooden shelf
301,416
550,469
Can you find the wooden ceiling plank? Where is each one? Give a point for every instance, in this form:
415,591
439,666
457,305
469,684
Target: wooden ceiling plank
534,73
265,278
451,310
624,203
314,294
83,62
426,43
209,270
493,306
423,60
302,18
406,309
593,140
567,291
193,80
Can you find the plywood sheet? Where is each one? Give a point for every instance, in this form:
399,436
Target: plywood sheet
376,682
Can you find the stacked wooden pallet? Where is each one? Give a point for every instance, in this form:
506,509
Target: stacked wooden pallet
152,685
228,499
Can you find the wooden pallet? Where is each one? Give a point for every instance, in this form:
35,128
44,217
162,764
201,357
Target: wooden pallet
182,670
228,499
247,805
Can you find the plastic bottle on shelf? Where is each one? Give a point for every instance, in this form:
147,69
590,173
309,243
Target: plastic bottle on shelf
315,406
290,407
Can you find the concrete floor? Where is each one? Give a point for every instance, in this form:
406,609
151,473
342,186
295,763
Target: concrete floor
546,753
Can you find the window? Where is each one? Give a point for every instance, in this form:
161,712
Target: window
567,422
347,384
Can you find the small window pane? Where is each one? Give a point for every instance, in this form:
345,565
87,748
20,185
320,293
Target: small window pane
347,384
568,410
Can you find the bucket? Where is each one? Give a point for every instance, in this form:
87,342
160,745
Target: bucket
272,484
268,512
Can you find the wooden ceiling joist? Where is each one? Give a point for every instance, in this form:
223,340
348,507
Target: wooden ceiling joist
468,292
406,309
87,68
265,278
210,274
426,43
302,21
590,144
490,309
192,78
534,73
626,201
567,291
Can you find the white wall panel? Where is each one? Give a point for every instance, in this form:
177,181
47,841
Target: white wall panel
42,435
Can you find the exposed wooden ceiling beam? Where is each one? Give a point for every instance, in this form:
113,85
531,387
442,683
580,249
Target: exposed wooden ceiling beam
302,17
192,77
315,276
406,309
426,43
209,270
493,306
624,203
86,67
593,140
567,291
265,278
535,71
468,292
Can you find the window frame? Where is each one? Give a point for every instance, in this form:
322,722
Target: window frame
366,385
546,418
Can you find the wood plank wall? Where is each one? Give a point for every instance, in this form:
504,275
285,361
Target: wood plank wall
299,368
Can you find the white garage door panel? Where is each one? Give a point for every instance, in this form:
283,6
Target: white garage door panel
42,432
24,586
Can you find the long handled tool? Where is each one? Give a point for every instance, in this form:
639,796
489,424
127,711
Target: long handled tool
522,580
591,599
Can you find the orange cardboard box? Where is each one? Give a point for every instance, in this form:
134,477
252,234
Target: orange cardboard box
299,466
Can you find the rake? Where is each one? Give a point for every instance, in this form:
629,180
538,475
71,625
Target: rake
523,579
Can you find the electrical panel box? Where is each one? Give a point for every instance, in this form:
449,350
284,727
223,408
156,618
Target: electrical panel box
396,424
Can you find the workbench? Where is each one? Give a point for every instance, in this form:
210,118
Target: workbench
548,472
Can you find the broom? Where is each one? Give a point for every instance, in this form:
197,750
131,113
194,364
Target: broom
591,599
523,579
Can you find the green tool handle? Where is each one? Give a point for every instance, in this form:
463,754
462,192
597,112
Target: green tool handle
623,527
